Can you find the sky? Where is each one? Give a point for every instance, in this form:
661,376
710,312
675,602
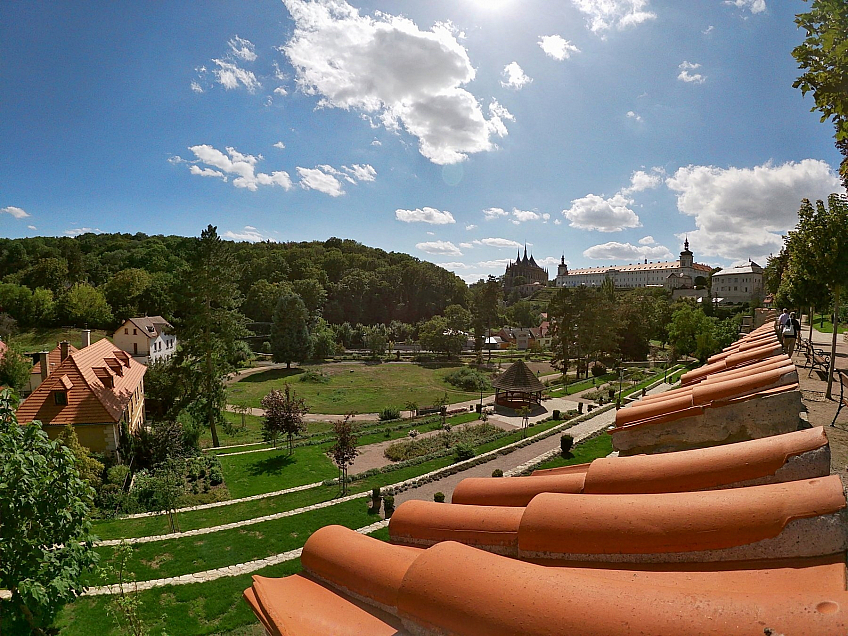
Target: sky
458,131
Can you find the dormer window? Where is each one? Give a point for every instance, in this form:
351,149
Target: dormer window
60,398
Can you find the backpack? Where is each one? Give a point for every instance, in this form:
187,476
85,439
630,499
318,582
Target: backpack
789,329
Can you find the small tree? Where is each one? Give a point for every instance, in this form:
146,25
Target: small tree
524,412
46,548
284,413
14,369
89,468
343,450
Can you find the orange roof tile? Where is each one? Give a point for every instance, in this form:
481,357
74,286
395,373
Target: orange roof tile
54,359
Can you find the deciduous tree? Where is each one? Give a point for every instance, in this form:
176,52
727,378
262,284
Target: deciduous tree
290,340
343,450
284,413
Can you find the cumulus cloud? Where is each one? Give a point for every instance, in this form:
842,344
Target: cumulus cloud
280,145
499,263
634,116
32,227
614,251
439,247
498,242
454,265
77,231
514,77
16,212
425,215
320,180
594,212
249,234
242,49
647,240
395,73
359,172
690,78
466,246
493,213
619,14
470,227
557,47
742,212
641,180
520,216
241,166
754,6
230,75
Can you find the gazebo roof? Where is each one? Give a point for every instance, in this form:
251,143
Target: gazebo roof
518,377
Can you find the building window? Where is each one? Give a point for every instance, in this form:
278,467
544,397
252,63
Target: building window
135,332
60,398
126,331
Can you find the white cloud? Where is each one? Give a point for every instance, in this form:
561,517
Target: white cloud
594,212
499,263
77,231
690,78
281,91
425,215
361,172
548,261
647,240
454,265
742,212
606,14
470,227
439,247
242,49
557,221
280,145
557,47
197,88
206,172
16,212
755,6
632,115
250,234
641,180
499,242
388,68
708,30
230,76
317,179
528,215
514,77
466,246
241,166
620,252
376,142
493,213
32,227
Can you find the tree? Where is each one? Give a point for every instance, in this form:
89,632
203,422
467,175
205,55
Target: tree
161,490
823,56
89,468
585,325
125,291
688,323
290,341
485,297
323,340
262,298
818,249
46,550
284,413
344,451
436,335
15,368
82,304
208,326
312,294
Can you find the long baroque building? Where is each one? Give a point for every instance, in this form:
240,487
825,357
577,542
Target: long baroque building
669,274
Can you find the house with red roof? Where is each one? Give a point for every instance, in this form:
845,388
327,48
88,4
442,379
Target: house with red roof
148,339
96,389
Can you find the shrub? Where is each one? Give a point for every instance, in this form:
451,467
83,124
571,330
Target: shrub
389,413
375,493
468,379
314,377
412,448
388,504
266,347
463,452
566,442
556,414
497,472
598,369
117,475
439,497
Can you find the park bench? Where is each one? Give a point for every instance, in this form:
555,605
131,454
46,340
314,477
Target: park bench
843,398
816,358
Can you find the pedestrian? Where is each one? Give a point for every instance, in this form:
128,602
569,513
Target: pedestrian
790,334
781,323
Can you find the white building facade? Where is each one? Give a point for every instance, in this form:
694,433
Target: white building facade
148,339
739,284
669,274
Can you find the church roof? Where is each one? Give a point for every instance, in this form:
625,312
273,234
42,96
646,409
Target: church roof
518,377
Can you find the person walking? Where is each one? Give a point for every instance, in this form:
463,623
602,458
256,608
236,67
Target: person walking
790,334
781,323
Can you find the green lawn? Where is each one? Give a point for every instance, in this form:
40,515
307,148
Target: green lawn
361,388
47,339
599,446
822,323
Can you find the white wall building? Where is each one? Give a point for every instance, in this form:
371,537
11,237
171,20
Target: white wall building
669,274
148,339
739,284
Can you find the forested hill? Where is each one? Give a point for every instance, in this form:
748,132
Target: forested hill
100,279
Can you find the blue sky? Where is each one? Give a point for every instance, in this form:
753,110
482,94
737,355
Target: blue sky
455,131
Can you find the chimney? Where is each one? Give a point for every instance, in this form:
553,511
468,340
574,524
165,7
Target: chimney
64,348
45,365
86,338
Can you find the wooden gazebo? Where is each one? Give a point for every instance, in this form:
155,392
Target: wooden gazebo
517,387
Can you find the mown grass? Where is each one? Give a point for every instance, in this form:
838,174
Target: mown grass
361,388
599,446
47,339
824,324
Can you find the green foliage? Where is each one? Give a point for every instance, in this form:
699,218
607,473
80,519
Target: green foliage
154,445
313,376
161,489
284,412
389,413
323,340
598,370
439,497
15,369
469,379
83,305
46,548
376,340
497,472
90,470
688,323
420,446
437,335
344,451
117,474
463,452
566,442
290,340
584,326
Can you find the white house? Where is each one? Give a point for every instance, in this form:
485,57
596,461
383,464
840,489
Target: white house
148,339
739,284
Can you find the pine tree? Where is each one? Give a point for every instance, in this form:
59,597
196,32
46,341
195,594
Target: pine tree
290,341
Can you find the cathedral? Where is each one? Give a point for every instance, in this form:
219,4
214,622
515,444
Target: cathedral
524,273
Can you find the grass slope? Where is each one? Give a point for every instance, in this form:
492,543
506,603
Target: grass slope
47,339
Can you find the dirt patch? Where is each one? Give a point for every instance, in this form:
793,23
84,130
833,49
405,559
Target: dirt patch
154,564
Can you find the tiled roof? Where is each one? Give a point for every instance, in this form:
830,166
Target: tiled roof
748,268
100,382
638,267
54,359
151,326
518,377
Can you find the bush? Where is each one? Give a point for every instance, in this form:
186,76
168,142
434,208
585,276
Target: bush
598,369
389,413
463,452
468,379
439,497
117,475
314,377
556,414
469,435
566,443
388,504
375,493
266,347
497,472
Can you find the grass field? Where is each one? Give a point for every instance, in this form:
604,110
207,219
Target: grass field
361,388
822,323
599,446
47,339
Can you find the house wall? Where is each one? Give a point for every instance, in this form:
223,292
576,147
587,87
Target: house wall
163,347
131,339
98,438
738,287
